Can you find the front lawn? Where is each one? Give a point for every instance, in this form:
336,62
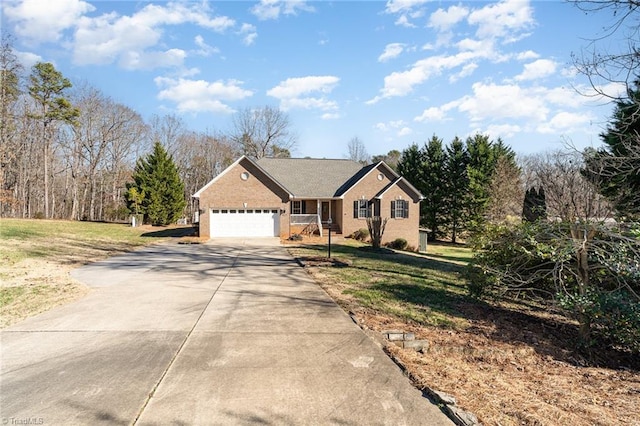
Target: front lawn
508,362
36,257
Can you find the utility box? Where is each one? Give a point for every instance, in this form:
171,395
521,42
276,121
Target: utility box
136,220
422,248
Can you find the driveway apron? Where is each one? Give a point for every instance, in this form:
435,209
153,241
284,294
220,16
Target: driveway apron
231,332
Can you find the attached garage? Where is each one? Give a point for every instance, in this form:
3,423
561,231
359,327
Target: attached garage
245,223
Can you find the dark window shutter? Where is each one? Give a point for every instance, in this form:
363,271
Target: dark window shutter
303,207
406,209
355,209
393,210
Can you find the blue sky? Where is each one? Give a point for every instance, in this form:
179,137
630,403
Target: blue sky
391,73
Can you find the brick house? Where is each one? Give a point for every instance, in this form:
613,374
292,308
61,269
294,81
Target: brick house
285,196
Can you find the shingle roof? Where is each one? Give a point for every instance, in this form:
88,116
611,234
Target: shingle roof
311,177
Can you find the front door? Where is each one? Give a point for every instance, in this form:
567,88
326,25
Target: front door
324,209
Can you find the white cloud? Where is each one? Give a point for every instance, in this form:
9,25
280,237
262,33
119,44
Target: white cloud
391,50
297,92
432,114
27,59
492,101
249,32
466,71
330,116
398,126
271,9
403,21
201,95
507,18
133,60
111,38
538,69
400,6
401,83
504,131
525,56
443,20
565,122
37,23
205,49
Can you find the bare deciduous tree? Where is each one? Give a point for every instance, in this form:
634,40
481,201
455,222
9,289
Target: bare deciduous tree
357,151
262,132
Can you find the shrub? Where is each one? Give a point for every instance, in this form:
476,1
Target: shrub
398,244
38,215
361,234
295,237
614,316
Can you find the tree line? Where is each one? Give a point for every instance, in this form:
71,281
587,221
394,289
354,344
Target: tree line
67,150
465,183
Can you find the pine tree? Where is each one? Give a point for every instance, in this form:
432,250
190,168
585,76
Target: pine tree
410,164
47,87
615,167
457,185
435,182
535,205
157,191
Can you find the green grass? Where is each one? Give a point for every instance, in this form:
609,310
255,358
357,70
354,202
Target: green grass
35,256
51,239
9,294
425,289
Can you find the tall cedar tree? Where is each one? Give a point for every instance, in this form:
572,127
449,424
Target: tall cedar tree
535,205
483,159
410,166
457,184
434,191
156,179
615,168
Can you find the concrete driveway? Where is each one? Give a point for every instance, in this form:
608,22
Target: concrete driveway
231,332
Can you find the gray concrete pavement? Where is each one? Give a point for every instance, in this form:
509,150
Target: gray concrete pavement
232,332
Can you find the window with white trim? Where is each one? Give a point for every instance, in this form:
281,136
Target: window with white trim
296,207
361,209
400,209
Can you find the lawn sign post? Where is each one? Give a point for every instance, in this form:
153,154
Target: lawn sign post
329,222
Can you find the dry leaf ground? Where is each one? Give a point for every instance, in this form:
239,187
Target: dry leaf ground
509,363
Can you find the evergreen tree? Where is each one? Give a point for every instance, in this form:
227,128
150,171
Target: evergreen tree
457,185
156,190
535,205
47,87
435,187
483,159
479,171
615,168
410,164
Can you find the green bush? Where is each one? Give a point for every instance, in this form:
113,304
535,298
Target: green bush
398,244
614,316
361,234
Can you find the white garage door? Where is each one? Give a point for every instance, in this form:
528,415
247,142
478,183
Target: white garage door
245,223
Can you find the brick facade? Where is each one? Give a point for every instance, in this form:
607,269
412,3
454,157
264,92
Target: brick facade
370,186
232,192
259,191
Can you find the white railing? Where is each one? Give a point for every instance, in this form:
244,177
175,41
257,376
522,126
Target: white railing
307,219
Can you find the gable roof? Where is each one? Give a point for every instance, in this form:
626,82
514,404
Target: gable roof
235,163
310,177
400,180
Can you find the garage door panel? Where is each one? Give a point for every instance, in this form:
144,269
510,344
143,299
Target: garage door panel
245,223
